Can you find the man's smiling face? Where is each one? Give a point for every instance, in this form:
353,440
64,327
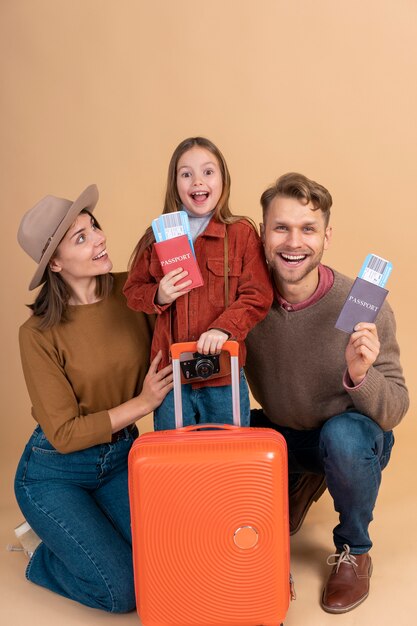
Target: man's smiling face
294,236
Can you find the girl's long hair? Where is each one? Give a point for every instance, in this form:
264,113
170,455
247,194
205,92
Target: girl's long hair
51,303
172,203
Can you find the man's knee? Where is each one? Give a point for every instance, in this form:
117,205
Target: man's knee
351,436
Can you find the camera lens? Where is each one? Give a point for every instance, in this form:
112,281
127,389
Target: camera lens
204,368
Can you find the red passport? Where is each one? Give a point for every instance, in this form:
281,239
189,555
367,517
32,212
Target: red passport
176,252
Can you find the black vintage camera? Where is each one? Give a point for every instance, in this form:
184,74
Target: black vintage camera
200,365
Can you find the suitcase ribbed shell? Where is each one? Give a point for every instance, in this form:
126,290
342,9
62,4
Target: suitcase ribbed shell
210,527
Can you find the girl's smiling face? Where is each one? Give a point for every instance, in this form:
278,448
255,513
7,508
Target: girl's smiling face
199,181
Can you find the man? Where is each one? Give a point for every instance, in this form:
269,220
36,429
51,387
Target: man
335,397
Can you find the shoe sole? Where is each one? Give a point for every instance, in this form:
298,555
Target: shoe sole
316,495
344,609
350,607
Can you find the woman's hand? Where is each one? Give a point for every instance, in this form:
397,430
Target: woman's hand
211,341
155,387
170,288
156,384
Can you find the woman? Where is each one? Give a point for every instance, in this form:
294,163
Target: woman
84,356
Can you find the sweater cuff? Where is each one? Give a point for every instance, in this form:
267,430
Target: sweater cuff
367,389
109,427
348,384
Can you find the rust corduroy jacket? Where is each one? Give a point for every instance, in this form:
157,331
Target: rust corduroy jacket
250,291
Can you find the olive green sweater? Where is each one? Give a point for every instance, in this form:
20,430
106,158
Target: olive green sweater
77,370
296,366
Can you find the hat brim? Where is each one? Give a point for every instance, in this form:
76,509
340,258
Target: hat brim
87,200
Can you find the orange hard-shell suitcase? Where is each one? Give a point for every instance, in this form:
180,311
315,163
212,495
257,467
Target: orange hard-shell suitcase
209,510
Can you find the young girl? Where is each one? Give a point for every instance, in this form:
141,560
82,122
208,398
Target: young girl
199,183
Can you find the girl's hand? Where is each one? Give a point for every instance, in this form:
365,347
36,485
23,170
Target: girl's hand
211,341
169,289
156,384
361,351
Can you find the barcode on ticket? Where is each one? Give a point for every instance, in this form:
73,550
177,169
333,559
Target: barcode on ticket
173,225
170,225
375,270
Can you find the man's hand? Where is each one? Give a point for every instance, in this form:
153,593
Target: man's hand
170,288
361,351
211,341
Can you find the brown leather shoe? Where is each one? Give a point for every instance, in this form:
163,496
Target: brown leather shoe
308,490
348,583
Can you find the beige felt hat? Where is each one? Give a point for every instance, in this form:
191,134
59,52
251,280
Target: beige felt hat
45,224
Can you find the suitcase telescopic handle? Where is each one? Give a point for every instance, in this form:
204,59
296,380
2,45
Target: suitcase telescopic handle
191,346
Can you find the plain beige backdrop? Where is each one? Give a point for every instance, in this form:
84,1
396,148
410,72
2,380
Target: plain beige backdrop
101,91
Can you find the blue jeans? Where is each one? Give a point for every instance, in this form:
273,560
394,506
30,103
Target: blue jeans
78,505
205,405
351,450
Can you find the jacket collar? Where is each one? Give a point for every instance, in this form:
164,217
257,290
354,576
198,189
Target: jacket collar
215,229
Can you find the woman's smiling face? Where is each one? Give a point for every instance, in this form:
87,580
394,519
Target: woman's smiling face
82,252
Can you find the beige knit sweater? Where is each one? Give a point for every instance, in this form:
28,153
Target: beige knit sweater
296,365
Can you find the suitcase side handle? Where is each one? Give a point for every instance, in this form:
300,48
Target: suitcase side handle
191,346
213,426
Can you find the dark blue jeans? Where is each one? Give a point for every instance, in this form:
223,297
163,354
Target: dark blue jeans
351,450
78,505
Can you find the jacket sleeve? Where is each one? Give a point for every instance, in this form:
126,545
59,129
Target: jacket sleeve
383,395
54,405
254,293
142,284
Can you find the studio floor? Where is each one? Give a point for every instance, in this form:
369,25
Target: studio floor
392,599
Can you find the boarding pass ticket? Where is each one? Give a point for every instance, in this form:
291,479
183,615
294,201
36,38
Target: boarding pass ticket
169,225
375,270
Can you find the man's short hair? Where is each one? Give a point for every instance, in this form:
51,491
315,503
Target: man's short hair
293,185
